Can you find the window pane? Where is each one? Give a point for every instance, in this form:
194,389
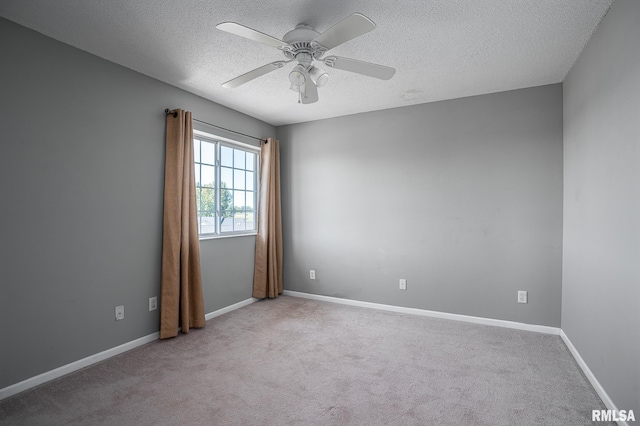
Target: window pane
196,172
226,221
249,200
208,176
207,201
239,222
238,179
226,177
250,223
226,199
208,152
238,200
196,150
251,159
238,159
235,177
226,156
250,178
207,223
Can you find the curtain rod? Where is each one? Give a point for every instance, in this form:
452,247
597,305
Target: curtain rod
167,111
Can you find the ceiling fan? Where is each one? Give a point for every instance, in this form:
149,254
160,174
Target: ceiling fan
305,45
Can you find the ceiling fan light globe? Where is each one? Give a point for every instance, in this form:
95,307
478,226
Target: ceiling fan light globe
321,80
318,76
296,76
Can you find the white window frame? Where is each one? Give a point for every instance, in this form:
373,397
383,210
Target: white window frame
218,142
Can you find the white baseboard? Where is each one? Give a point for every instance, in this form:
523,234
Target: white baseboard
592,378
425,313
230,308
76,365
101,356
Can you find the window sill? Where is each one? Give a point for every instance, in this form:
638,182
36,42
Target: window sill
218,237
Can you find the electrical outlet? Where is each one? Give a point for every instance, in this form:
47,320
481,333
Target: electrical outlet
312,274
403,284
153,303
119,312
522,297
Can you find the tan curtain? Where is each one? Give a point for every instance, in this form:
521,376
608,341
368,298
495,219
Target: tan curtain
267,278
181,302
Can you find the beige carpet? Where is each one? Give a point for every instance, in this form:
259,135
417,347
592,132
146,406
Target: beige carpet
293,361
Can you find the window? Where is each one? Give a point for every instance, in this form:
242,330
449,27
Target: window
226,175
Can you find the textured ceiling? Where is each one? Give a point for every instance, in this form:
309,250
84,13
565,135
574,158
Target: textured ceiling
441,49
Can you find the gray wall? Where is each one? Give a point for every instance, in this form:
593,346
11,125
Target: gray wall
81,181
601,267
463,198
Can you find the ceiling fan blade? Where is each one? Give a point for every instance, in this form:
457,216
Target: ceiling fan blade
250,33
310,93
360,67
349,28
245,78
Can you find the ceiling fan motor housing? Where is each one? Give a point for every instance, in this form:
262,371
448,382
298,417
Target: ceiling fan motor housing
300,46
